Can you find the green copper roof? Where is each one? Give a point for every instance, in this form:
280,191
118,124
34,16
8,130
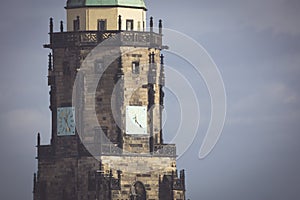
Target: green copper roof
104,3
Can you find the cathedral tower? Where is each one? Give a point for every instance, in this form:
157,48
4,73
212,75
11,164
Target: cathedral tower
106,78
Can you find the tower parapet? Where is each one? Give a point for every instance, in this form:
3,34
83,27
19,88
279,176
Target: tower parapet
93,38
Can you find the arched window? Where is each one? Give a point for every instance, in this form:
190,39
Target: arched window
138,191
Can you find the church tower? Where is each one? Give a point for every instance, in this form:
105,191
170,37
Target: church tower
106,78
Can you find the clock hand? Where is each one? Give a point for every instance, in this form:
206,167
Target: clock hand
136,121
68,128
140,125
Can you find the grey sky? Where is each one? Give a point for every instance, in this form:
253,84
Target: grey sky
256,45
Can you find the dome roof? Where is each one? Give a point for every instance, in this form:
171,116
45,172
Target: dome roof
106,3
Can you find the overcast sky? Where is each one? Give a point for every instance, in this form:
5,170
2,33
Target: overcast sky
254,43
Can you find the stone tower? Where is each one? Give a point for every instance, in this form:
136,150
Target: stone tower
106,77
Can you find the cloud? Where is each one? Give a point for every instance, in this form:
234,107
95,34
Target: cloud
24,119
280,16
24,124
274,103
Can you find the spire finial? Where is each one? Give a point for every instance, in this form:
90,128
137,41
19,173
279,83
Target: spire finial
34,182
152,57
162,59
61,26
50,62
39,139
160,26
151,24
51,25
182,177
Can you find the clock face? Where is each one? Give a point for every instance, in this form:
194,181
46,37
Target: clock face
65,121
136,120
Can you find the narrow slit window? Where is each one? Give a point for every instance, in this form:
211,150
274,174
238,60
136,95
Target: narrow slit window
102,25
76,24
135,67
129,25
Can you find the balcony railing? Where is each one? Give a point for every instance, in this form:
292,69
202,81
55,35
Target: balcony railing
93,38
110,149
159,150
